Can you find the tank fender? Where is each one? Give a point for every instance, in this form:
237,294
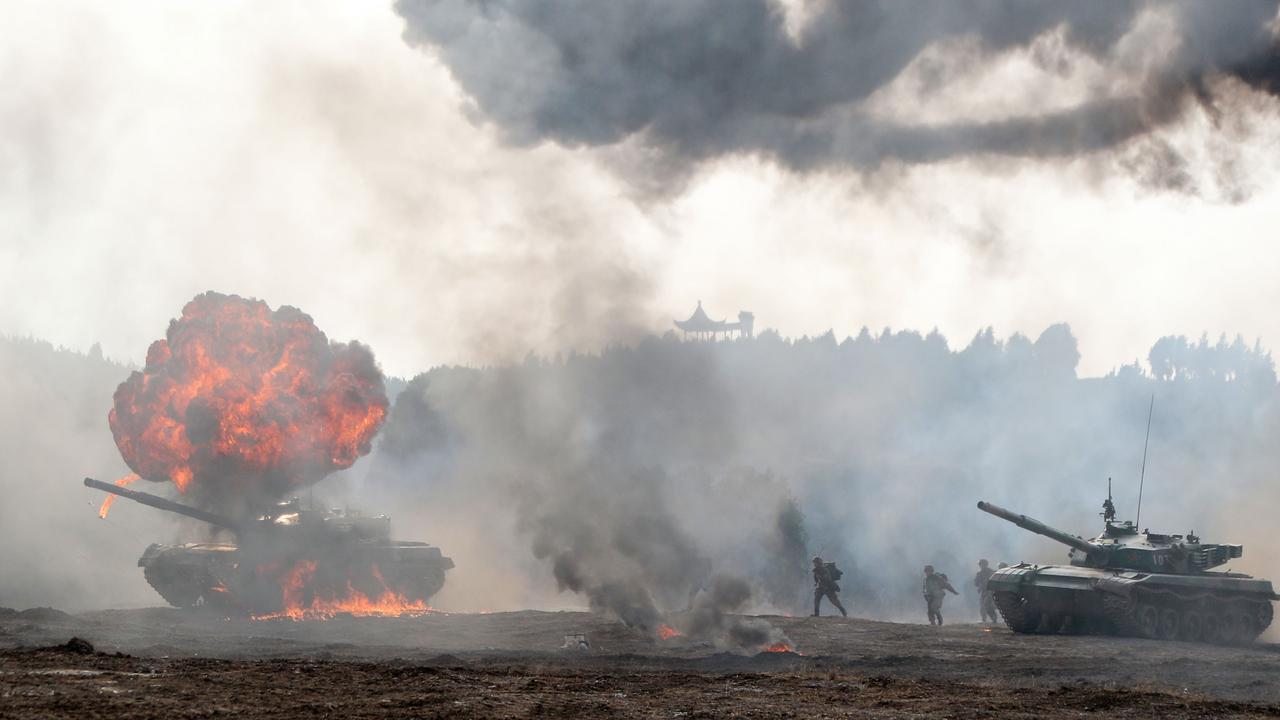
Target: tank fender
1121,585
1014,577
1021,570
150,554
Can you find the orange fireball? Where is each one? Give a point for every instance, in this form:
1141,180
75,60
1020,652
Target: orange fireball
239,394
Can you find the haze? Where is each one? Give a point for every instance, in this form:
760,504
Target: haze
976,243
341,158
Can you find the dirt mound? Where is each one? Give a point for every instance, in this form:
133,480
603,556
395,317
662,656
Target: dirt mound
76,645
444,660
43,614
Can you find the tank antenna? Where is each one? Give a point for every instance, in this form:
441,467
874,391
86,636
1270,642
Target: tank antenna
1137,522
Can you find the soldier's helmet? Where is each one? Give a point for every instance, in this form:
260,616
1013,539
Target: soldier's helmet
983,563
928,569
817,560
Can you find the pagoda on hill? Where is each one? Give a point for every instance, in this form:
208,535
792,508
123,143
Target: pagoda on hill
702,327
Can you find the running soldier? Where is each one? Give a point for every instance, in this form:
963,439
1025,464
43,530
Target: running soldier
825,576
936,586
986,603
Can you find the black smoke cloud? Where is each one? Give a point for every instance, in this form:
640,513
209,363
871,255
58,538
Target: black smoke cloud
695,79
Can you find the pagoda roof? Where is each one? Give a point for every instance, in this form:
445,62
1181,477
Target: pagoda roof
699,322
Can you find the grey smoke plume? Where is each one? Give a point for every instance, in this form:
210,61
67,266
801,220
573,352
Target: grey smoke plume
695,79
609,536
601,488
711,616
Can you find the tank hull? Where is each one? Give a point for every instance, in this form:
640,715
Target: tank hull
1223,608
226,577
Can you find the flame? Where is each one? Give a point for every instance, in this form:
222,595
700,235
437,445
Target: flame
109,499
666,632
780,647
296,585
238,392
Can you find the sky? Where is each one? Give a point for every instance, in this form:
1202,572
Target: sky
455,183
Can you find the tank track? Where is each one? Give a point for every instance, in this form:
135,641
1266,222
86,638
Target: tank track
421,585
1119,612
1152,615
1021,615
177,591
1167,616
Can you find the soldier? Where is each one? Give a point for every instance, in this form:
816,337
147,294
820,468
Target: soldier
825,576
936,586
986,603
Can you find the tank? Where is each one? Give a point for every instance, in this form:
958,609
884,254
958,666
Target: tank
289,555
1133,583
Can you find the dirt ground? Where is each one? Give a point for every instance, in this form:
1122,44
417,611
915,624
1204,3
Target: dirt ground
174,663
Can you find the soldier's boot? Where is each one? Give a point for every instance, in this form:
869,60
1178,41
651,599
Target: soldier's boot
839,607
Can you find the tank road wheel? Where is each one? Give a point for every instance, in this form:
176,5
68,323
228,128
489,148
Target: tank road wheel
1148,620
1228,628
1248,628
1255,618
1021,615
1120,615
421,586
1263,614
1053,624
177,587
1167,629
1075,625
1191,626
1212,632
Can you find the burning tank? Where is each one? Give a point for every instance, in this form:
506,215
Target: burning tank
1127,582
292,562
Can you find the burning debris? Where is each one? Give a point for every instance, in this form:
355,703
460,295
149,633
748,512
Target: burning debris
240,403
110,499
780,647
304,601
236,406
666,632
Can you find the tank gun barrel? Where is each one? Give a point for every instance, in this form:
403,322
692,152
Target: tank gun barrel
160,503
1039,528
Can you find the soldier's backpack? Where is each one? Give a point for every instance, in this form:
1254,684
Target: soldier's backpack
833,572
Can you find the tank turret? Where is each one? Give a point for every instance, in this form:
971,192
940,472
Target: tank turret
1121,546
1132,582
